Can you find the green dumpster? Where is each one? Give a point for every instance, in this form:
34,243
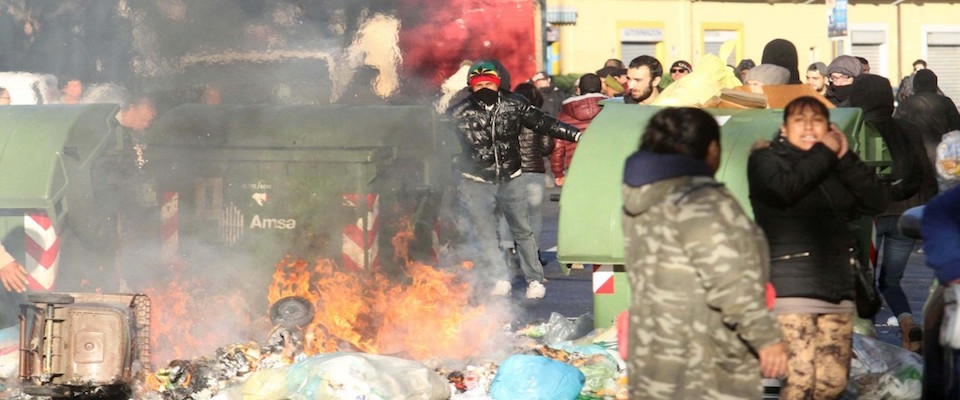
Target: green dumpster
334,182
589,229
235,185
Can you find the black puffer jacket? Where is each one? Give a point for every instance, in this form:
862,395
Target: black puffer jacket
804,200
533,148
490,137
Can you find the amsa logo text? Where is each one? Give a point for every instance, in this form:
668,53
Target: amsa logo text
272,223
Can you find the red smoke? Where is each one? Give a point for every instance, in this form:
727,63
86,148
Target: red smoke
438,34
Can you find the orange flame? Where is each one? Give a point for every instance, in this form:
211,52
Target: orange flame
428,316
180,328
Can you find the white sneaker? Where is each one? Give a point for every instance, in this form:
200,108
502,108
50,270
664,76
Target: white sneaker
501,288
535,290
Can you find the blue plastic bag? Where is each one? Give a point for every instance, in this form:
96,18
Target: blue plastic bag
526,377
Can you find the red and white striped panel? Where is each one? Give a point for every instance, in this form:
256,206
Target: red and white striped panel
359,241
170,218
42,248
602,279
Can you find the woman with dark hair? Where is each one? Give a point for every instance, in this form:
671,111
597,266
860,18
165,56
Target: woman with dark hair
805,187
697,266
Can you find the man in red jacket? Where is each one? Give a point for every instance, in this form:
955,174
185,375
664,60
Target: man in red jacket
577,111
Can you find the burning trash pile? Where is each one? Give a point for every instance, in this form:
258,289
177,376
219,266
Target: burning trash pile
352,334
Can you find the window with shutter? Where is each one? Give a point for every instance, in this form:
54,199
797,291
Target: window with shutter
943,54
942,60
631,50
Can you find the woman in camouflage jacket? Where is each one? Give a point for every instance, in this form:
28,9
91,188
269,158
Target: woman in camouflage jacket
697,266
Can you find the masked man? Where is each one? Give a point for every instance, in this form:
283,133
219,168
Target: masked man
488,123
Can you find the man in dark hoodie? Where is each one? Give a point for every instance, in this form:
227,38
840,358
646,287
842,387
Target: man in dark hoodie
488,123
910,183
577,111
782,52
934,113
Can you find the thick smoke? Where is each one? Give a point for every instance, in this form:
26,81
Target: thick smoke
252,52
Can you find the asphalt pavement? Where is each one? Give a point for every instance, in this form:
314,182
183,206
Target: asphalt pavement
572,295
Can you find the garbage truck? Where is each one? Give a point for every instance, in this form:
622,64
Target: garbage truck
589,229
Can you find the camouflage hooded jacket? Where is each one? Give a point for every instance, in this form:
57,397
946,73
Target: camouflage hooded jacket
697,267
490,136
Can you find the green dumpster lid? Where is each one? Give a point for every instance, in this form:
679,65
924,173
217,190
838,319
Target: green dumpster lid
589,229
32,140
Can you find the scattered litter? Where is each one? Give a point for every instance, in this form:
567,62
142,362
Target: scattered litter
879,370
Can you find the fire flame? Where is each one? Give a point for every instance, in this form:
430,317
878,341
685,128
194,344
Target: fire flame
426,316
186,321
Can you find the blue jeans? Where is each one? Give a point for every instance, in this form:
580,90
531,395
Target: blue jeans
896,251
478,227
535,185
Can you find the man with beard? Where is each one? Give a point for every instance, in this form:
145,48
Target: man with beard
488,123
643,79
817,77
841,72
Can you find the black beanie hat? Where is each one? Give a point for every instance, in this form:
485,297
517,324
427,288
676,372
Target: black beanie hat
874,95
924,81
782,52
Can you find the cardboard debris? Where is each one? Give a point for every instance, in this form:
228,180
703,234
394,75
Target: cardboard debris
773,96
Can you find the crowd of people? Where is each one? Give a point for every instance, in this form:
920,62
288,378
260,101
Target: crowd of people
700,267
807,188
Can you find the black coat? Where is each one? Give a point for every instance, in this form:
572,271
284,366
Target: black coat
804,201
934,114
553,99
490,138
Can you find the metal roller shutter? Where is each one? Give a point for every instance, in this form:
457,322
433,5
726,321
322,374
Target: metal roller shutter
631,50
869,51
943,60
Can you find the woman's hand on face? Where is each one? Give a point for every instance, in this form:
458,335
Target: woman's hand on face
830,140
842,138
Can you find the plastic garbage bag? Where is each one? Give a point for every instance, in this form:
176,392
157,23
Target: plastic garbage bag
600,366
864,327
879,370
704,84
558,328
526,377
344,376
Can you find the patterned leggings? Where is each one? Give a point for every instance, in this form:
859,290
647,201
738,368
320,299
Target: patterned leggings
819,355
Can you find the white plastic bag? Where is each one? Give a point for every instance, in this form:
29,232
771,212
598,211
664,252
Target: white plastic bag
948,161
950,327
879,370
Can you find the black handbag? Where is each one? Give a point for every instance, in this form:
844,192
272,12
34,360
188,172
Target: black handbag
868,298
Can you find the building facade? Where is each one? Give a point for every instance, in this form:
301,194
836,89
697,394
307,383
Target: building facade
891,35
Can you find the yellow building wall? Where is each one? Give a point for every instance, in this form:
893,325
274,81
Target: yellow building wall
596,36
